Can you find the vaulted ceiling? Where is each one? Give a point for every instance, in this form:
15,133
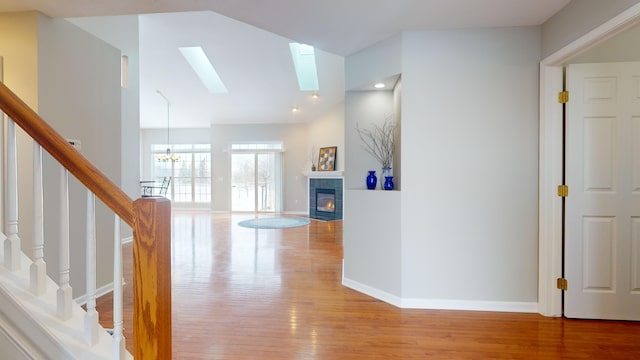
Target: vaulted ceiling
247,42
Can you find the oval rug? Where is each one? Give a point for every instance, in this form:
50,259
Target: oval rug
273,223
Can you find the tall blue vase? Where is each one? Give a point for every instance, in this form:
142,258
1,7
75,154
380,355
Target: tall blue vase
372,180
388,183
386,172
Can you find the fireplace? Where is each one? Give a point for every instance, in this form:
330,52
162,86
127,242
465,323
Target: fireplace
325,202
325,198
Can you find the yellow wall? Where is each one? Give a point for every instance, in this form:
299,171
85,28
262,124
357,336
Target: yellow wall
19,50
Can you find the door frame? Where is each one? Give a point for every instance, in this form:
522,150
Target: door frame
550,156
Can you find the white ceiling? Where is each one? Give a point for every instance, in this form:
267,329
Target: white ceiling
239,37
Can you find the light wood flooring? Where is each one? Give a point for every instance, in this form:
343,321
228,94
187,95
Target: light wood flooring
242,293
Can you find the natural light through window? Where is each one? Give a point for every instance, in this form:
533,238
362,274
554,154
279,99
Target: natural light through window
200,63
190,176
304,60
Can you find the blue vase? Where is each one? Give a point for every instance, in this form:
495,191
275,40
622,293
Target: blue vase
372,180
388,182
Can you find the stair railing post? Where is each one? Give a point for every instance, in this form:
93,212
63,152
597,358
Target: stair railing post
91,324
12,242
118,347
64,288
38,269
152,278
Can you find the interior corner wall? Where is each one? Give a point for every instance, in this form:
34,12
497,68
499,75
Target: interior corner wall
577,19
397,116
80,96
470,155
374,63
363,109
327,130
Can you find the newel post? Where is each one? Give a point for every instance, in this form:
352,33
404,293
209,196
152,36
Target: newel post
152,278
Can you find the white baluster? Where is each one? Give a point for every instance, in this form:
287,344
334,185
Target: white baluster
91,325
38,268
118,339
12,243
64,288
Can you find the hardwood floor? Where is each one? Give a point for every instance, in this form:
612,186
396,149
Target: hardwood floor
241,293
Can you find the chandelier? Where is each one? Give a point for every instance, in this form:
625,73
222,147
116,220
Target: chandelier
169,156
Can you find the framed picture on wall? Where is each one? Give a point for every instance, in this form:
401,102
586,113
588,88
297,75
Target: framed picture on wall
327,160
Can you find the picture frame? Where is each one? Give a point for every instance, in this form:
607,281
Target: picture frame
327,159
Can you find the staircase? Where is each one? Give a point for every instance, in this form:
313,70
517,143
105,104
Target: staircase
38,317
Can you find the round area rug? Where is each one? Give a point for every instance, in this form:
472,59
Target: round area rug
273,223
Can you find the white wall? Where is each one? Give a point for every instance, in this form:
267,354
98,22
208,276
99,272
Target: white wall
121,32
80,96
577,19
327,130
468,229
470,155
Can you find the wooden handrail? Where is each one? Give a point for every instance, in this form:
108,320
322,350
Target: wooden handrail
150,219
110,194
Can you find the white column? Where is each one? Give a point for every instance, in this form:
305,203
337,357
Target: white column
91,324
12,242
38,268
118,348
64,289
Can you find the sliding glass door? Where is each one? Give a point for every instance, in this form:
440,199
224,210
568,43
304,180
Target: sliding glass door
253,182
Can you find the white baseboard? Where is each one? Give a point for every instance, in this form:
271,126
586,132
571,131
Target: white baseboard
470,305
442,304
373,292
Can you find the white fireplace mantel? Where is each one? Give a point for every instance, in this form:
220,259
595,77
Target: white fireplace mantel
323,174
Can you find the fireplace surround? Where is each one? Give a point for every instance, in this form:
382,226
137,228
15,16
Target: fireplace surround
325,198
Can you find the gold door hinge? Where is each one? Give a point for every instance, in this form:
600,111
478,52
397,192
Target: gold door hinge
563,284
563,97
563,190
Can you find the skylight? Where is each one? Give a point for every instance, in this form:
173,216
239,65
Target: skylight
200,63
304,60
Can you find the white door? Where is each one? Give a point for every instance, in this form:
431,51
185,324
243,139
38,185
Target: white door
602,233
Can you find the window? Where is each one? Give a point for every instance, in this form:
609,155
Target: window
191,173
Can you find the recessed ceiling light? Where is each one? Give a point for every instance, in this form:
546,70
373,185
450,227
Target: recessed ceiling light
294,109
378,86
200,63
315,95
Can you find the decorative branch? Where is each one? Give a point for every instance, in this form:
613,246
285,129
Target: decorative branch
313,156
379,141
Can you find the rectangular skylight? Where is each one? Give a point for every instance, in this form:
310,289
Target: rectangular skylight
304,60
200,63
